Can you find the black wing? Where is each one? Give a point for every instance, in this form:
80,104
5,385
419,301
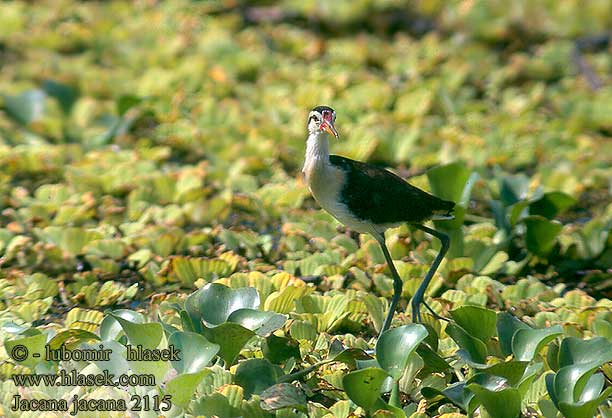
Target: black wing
377,195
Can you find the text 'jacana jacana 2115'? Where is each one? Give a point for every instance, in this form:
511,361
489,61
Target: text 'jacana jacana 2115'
370,199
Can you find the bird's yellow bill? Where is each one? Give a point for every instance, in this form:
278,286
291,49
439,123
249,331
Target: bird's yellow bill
330,128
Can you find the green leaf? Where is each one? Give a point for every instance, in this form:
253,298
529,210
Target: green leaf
526,343
584,409
575,391
477,321
576,351
72,337
498,398
507,325
278,349
256,375
351,356
22,350
570,381
148,335
541,234
551,204
64,94
215,302
514,188
189,269
215,405
395,346
263,323
282,395
183,387
230,338
456,393
453,182
195,351
126,102
448,181
376,309
434,363
512,371
26,107
363,386
475,349
117,363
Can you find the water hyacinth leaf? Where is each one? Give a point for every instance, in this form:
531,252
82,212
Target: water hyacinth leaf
507,325
195,351
526,383
110,328
22,350
576,351
570,381
215,302
117,363
433,361
526,343
456,393
215,405
452,182
230,338
498,398
148,335
584,409
71,338
256,375
513,188
126,102
517,212
541,234
283,395
261,322
575,391
551,204
278,349
65,95
472,347
26,107
350,356
513,371
395,346
477,321
190,324
448,181
182,387
363,386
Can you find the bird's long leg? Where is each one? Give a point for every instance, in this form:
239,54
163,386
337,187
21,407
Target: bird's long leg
397,283
419,296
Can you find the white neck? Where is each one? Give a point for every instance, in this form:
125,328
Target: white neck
317,154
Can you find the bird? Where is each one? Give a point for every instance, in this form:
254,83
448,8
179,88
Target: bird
370,199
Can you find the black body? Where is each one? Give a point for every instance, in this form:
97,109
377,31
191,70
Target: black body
379,196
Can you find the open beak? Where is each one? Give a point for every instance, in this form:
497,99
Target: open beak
329,127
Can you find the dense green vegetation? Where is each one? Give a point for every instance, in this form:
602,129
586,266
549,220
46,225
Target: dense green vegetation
150,193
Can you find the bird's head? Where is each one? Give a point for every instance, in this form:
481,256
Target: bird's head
321,119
